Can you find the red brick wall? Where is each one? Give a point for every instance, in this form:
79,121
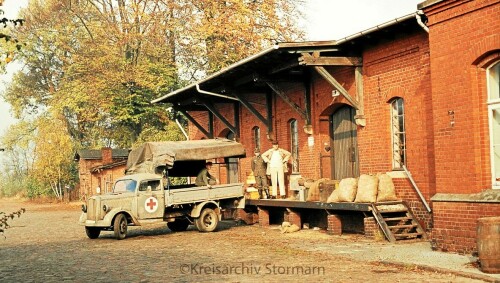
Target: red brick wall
104,179
408,60
461,32
464,40
455,224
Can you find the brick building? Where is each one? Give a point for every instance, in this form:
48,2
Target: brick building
99,168
419,93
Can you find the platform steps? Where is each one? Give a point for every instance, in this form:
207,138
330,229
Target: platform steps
397,221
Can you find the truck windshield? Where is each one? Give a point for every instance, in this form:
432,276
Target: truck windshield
127,185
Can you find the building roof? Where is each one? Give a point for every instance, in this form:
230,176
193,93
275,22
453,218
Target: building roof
97,154
283,60
109,166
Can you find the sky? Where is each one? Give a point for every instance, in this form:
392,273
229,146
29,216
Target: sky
326,20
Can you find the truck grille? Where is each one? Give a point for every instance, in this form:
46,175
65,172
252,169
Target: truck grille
91,209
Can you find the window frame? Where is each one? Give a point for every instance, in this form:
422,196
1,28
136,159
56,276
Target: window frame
293,129
493,104
256,136
397,164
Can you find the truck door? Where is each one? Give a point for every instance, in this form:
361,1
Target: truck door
150,200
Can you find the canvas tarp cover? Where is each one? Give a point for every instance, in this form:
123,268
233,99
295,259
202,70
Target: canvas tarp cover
151,156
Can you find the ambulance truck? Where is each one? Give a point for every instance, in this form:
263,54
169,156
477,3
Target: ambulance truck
148,194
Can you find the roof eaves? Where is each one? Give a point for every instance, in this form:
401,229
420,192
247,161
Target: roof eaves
216,74
375,28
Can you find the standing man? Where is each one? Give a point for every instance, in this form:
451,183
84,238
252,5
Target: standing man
259,171
277,159
204,178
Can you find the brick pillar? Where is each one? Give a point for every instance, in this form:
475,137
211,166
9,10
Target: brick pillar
371,228
334,225
263,217
293,217
248,217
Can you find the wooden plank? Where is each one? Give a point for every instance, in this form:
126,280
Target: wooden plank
329,78
217,114
408,235
380,220
309,60
287,99
402,226
196,124
406,218
350,206
420,229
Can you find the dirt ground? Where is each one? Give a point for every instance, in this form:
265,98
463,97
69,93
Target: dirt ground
46,244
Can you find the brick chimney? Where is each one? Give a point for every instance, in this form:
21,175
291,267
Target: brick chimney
107,156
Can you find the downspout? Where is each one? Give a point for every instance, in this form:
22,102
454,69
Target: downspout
418,15
170,109
417,190
182,129
214,94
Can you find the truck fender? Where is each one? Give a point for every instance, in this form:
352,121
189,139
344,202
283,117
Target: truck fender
195,212
108,218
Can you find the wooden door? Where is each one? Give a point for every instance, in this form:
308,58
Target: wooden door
345,147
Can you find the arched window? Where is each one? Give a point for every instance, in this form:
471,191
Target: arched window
256,137
398,133
493,82
294,145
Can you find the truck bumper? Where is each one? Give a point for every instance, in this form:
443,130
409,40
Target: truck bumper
105,223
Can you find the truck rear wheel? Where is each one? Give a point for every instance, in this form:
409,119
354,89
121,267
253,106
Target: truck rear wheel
178,225
208,220
92,232
120,226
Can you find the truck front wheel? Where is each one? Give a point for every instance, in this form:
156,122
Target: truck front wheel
178,225
120,226
208,220
92,232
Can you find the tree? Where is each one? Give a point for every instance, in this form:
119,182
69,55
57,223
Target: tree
53,155
8,45
92,67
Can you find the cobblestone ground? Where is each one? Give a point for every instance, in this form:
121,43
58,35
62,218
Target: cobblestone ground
46,244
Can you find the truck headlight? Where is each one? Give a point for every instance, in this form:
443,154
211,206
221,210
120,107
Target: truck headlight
106,208
84,208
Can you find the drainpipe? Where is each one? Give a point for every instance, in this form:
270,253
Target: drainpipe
182,129
419,14
417,190
170,109
214,94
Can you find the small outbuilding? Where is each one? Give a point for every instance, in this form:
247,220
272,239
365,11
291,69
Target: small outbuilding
98,168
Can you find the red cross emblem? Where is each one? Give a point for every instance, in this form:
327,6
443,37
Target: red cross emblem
151,204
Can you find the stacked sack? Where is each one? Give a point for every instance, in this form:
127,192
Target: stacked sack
313,193
366,189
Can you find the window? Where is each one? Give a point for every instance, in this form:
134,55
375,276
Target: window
256,137
154,184
127,185
294,145
398,133
493,82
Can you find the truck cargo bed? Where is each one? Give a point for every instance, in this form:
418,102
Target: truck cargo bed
203,193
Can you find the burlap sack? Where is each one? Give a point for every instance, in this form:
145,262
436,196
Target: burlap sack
367,189
334,196
347,189
386,190
313,193
290,228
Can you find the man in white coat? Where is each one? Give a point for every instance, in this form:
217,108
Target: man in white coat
277,159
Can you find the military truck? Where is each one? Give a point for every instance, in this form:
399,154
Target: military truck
147,193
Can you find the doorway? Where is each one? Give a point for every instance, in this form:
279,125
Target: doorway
343,135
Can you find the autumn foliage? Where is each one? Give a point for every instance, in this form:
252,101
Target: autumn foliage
91,68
